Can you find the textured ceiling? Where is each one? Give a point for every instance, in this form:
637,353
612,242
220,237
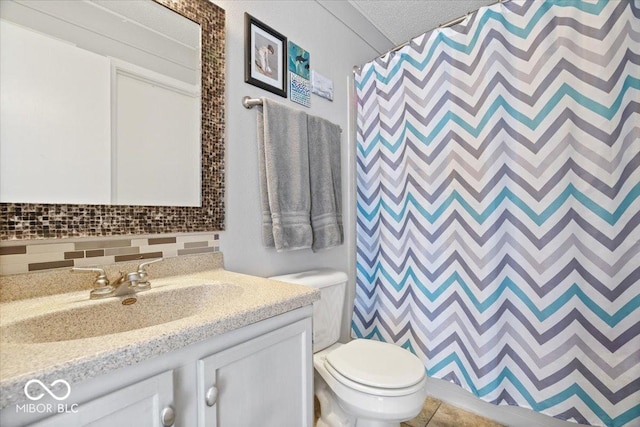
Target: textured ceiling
401,20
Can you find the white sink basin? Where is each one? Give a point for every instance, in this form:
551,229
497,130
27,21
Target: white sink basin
94,318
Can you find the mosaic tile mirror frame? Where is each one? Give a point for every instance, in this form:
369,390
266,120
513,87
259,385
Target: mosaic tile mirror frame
21,221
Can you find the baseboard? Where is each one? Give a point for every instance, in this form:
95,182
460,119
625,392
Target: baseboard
511,416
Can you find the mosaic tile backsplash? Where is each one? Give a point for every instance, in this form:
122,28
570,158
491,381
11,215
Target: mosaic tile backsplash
22,221
52,254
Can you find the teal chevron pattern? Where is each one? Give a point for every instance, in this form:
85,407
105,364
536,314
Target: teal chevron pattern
498,206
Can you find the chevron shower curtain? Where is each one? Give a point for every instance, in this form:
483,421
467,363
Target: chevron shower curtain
498,206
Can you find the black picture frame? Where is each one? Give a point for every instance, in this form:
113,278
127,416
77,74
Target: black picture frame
265,56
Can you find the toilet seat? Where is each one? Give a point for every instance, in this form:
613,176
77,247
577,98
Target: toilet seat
376,367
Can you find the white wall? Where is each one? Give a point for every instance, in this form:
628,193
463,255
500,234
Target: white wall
334,50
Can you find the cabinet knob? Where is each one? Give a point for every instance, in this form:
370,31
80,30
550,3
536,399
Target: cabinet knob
168,416
211,396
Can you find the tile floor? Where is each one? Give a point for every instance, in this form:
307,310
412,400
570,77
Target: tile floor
439,414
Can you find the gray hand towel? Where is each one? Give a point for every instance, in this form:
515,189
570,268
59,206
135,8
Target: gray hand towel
326,183
283,162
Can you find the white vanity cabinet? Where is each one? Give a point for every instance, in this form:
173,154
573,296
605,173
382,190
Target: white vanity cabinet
257,375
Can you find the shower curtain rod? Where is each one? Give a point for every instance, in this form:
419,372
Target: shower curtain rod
451,23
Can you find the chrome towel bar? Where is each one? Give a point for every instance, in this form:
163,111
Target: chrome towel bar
249,103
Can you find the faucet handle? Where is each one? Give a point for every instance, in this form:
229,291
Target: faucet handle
143,277
101,278
143,266
102,288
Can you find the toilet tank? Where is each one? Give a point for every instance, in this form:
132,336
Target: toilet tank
327,313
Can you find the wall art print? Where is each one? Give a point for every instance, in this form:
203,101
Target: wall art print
321,85
265,55
299,84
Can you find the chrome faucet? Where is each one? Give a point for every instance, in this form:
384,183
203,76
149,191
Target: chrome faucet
126,284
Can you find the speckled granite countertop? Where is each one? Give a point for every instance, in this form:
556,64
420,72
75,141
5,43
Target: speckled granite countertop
235,300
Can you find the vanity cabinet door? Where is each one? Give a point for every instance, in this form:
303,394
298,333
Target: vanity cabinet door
138,405
266,381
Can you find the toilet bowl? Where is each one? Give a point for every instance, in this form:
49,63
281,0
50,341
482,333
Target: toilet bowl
363,383
383,396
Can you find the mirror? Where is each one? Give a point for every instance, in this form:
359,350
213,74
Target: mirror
117,87
189,176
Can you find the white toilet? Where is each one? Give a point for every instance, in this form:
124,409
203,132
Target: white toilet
364,383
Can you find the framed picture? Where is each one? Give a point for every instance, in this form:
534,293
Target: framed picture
265,53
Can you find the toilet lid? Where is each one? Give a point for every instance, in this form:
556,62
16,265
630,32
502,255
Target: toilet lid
376,364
